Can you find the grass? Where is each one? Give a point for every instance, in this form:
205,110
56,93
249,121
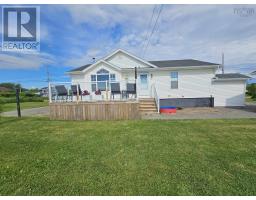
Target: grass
189,157
23,105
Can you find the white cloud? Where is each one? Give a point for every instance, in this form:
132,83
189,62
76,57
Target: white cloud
184,31
24,61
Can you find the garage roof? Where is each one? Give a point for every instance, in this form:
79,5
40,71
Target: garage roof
231,76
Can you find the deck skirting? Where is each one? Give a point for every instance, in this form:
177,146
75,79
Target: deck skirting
112,110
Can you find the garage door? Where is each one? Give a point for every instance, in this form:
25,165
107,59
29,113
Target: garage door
229,93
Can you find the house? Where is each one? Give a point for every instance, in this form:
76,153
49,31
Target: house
44,92
4,89
183,83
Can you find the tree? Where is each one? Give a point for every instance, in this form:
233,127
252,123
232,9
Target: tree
11,86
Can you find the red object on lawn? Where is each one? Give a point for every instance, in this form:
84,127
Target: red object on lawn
168,110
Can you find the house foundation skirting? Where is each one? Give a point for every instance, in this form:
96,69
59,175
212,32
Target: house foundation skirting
112,110
188,102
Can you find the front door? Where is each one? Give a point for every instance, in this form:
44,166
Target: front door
143,84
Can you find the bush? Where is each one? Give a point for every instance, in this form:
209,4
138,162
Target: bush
251,90
7,94
1,107
22,99
30,94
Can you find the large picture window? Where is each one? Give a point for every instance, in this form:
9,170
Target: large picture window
102,79
174,80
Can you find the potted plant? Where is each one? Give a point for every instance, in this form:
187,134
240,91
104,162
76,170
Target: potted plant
86,95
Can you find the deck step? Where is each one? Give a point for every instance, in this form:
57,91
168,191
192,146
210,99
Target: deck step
147,105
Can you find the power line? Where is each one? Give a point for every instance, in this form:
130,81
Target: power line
154,27
148,29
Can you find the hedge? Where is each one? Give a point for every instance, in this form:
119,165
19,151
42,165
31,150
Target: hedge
22,99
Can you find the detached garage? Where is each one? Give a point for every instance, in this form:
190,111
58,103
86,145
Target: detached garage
229,89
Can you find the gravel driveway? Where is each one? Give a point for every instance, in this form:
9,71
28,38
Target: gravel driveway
41,111
248,111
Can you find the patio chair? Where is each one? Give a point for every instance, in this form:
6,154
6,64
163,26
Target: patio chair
61,92
115,89
131,89
74,91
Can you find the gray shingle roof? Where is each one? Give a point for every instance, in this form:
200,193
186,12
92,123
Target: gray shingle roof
231,76
164,63
180,63
80,68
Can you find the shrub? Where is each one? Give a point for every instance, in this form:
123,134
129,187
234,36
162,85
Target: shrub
7,94
22,99
251,90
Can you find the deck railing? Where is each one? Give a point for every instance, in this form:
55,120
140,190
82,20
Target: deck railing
155,96
91,91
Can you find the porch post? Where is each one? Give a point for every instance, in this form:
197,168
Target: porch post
106,89
77,93
135,75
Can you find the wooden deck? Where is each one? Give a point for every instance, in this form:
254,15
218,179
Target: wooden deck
108,110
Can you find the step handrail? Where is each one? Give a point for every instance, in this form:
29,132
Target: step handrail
157,100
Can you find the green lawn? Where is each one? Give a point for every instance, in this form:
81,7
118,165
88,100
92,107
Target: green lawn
188,157
24,105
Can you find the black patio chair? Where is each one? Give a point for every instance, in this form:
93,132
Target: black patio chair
61,92
131,89
115,89
74,91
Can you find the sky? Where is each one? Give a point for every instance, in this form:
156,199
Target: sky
71,35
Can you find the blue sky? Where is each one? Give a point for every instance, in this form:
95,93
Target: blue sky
71,35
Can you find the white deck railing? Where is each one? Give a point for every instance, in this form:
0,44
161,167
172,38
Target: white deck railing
86,91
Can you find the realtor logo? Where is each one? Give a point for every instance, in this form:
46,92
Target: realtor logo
21,30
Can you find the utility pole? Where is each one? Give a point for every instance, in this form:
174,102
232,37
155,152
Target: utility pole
49,85
222,63
48,75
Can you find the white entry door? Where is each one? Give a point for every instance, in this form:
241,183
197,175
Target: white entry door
143,84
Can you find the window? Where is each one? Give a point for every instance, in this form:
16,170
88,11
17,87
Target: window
100,79
93,78
93,87
174,80
112,77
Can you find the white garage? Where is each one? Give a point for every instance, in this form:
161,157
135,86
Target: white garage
229,89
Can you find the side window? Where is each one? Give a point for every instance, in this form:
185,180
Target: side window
93,78
174,80
112,77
